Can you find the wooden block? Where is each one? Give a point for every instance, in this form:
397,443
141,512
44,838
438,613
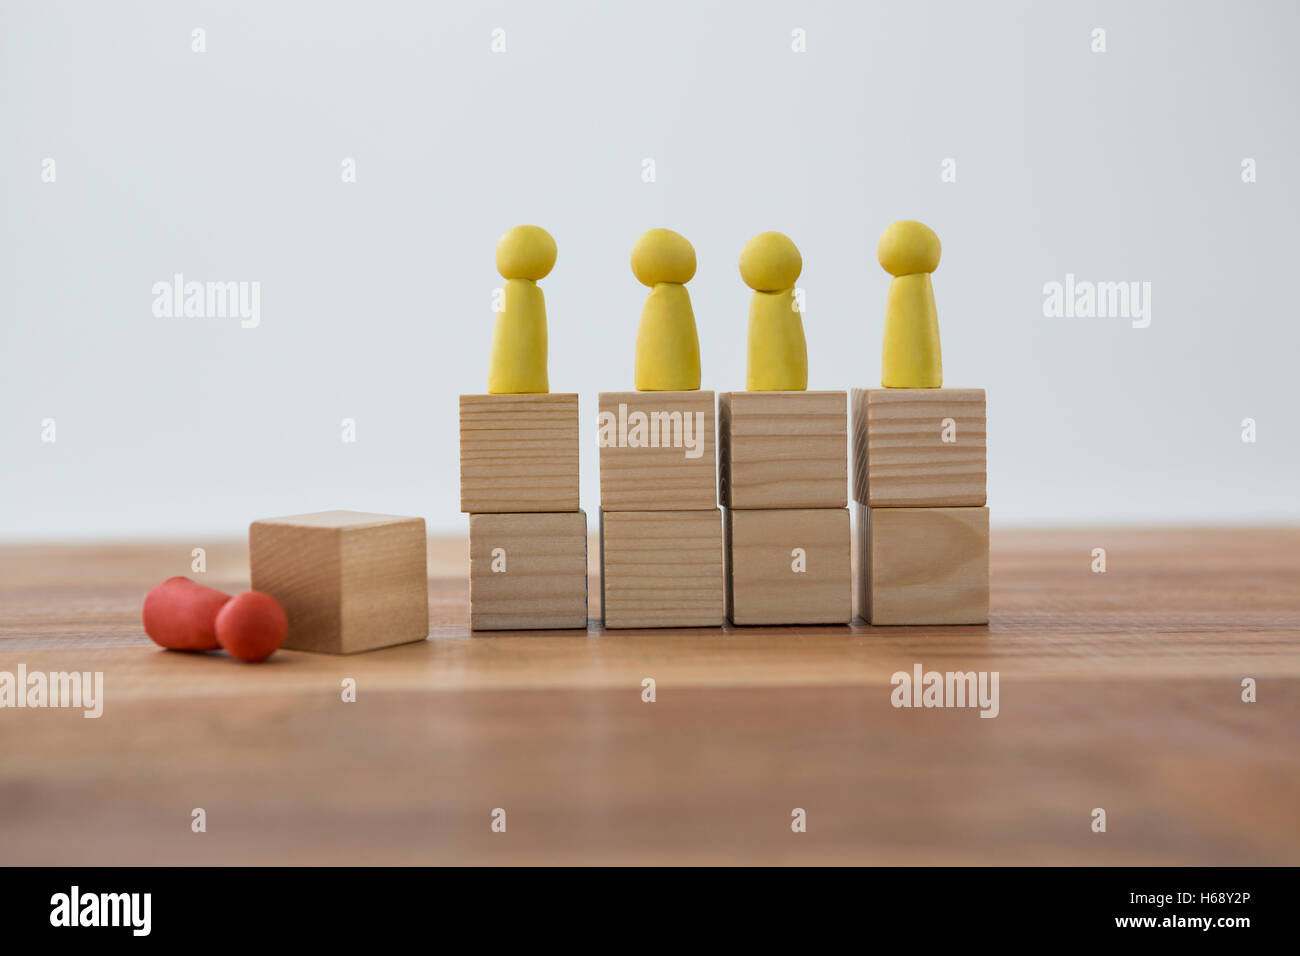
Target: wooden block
788,566
657,451
661,568
923,565
348,581
518,453
528,571
783,449
900,456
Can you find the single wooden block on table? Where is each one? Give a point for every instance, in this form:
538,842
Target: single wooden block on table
919,447
527,571
348,581
518,453
661,568
783,449
923,565
788,566
657,451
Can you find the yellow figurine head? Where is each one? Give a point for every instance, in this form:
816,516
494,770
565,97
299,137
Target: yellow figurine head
661,255
908,247
525,252
770,262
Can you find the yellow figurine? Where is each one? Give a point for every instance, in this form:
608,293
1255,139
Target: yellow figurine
777,358
517,363
667,344
909,251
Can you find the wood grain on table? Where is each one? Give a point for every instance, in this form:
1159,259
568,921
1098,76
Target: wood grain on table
1119,690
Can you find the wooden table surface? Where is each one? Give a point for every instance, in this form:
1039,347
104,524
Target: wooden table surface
1119,690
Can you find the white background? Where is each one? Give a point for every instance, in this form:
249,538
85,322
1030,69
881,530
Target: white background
376,296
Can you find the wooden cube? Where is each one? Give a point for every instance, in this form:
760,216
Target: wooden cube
518,453
661,568
528,571
657,451
783,449
789,566
348,581
919,447
923,565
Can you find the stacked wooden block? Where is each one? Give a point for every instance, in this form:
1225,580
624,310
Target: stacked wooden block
784,469
527,535
922,537
660,527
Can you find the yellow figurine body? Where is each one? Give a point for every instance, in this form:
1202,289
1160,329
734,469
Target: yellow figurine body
517,363
667,343
777,354
911,358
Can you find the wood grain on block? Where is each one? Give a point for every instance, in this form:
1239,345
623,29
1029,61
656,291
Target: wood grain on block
923,565
518,453
348,581
528,571
783,449
657,451
919,447
661,568
788,566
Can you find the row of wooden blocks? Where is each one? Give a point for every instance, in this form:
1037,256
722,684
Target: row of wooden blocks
779,554
781,551
353,582
912,448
